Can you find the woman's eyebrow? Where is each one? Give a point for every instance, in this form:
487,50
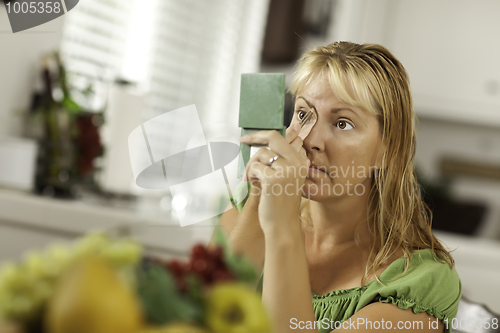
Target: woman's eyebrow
305,100
335,110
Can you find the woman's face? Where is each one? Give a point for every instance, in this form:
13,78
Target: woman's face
342,145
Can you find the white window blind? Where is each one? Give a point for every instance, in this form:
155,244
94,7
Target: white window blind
199,49
93,44
182,52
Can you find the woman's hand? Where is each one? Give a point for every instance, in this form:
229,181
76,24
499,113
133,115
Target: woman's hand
292,137
280,182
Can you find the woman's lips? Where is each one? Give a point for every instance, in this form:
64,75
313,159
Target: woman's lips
316,170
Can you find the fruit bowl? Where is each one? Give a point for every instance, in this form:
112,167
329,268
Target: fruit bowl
102,284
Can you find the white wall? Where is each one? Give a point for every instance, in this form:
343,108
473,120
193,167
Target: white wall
455,41
19,62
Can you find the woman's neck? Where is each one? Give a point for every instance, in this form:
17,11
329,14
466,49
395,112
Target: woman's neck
339,222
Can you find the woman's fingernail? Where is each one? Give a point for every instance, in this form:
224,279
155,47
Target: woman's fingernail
244,138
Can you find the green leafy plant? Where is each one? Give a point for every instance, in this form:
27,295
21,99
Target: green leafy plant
240,265
162,302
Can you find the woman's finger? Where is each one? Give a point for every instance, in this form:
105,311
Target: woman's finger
259,171
303,153
297,143
292,132
263,155
273,140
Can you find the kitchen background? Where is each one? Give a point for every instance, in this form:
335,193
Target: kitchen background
124,62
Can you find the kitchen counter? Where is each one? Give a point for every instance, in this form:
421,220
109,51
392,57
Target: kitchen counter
30,221
477,262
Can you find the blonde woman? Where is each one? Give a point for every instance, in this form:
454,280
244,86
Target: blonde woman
346,245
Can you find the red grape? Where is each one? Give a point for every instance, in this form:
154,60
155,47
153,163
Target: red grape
175,267
222,275
218,254
198,251
200,265
208,264
187,267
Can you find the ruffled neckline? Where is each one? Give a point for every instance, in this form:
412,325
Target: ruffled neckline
359,288
342,291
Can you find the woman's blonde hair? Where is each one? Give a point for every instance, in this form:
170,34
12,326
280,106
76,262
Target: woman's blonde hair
370,77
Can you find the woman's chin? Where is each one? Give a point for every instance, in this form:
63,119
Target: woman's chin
312,190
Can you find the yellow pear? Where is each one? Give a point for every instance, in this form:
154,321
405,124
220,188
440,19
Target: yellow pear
92,298
233,307
175,328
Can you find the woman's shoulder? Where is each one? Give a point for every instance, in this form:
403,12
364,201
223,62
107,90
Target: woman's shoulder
422,264
425,282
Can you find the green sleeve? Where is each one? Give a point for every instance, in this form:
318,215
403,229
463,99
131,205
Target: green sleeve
241,194
429,285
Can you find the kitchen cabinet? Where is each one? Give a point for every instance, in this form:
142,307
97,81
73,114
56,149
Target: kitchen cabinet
449,47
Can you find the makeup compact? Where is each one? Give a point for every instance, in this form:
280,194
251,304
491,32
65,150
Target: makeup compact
262,105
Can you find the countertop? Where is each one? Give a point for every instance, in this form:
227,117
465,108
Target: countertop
144,218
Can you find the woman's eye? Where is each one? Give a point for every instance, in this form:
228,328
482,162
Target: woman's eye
344,125
301,114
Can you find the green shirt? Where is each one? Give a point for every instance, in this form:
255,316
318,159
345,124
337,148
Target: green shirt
429,285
